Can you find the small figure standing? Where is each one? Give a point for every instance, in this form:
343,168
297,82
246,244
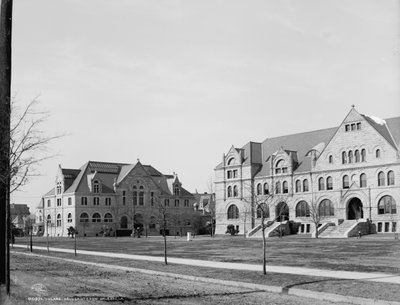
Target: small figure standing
359,234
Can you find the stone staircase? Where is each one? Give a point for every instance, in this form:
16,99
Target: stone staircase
269,231
340,231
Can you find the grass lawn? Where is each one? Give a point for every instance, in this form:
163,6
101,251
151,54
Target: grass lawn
374,253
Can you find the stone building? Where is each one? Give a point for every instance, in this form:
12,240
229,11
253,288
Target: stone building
107,198
345,180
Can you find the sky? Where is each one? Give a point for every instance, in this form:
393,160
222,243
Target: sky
177,83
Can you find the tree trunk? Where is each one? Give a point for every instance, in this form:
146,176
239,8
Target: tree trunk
165,243
264,251
316,230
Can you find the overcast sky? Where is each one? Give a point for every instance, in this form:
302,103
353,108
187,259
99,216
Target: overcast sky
176,83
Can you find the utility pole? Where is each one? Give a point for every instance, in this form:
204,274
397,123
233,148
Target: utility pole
5,110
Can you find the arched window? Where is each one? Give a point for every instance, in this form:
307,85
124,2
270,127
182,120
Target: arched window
259,189
176,190
108,217
48,218
266,189
390,178
330,159
96,217
124,222
235,191
302,209
84,217
387,205
278,187
381,179
357,155
344,157
346,183
141,196
321,184
350,156
298,186
378,153
285,188
135,195
305,185
152,224
69,217
96,187
329,183
326,208
363,155
363,180
58,220
233,212
229,192
230,161
263,210
280,168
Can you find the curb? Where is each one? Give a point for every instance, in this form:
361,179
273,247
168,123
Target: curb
336,298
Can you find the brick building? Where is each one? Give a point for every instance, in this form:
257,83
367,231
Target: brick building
113,197
347,176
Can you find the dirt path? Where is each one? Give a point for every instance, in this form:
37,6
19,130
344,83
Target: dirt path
39,280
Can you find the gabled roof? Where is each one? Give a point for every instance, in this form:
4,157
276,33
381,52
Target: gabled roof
394,127
381,127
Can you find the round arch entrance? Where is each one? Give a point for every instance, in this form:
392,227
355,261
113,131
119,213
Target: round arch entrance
282,212
355,209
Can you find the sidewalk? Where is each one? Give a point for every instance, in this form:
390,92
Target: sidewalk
349,275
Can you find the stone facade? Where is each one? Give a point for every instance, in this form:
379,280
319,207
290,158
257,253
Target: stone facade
103,197
350,172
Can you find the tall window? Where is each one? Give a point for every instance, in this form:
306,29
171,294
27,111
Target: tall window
176,190
123,197
58,202
96,200
321,184
329,183
298,186
378,153
48,218
108,201
48,203
302,209
259,189
141,195
350,156
96,187
166,202
357,155
381,179
330,159
108,217
233,212
278,187
346,182
390,178
363,155
69,217
135,194
69,201
305,185
176,202
344,157
58,187
229,191
326,208
235,191
285,188
84,217
186,202
96,217
58,220
387,205
152,198
266,188
280,168
363,180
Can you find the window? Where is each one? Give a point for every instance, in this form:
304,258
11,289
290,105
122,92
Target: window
108,201
96,187
344,157
229,174
108,217
298,186
353,127
69,217
229,191
233,212
266,189
326,208
96,200
381,179
387,205
235,173
347,127
358,126
69,201
230,161
176,202
48,203
166,202
58,202
235,191
152,224
321,184
350,156
379,227
58,220
390,178
141,196
378,153
84,217
84,201
259,189
285,188
394,226
279,167
305,185
186,202
346,183
357,156
124,222
263,211
278,187
134,195
58,187
302,209
96,217
48,218
329,183
123,197
363,155
387,224
152,198
176,190
330,159
363,180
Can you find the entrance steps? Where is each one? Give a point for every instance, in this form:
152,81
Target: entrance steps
273,229
346,229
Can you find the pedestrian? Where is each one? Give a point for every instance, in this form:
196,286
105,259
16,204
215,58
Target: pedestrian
359,234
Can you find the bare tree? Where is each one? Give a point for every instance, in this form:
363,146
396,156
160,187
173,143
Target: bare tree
315,215
163,215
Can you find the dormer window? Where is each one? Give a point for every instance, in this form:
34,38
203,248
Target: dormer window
230,161
96,187
176,190
352,126
280,168
59,188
